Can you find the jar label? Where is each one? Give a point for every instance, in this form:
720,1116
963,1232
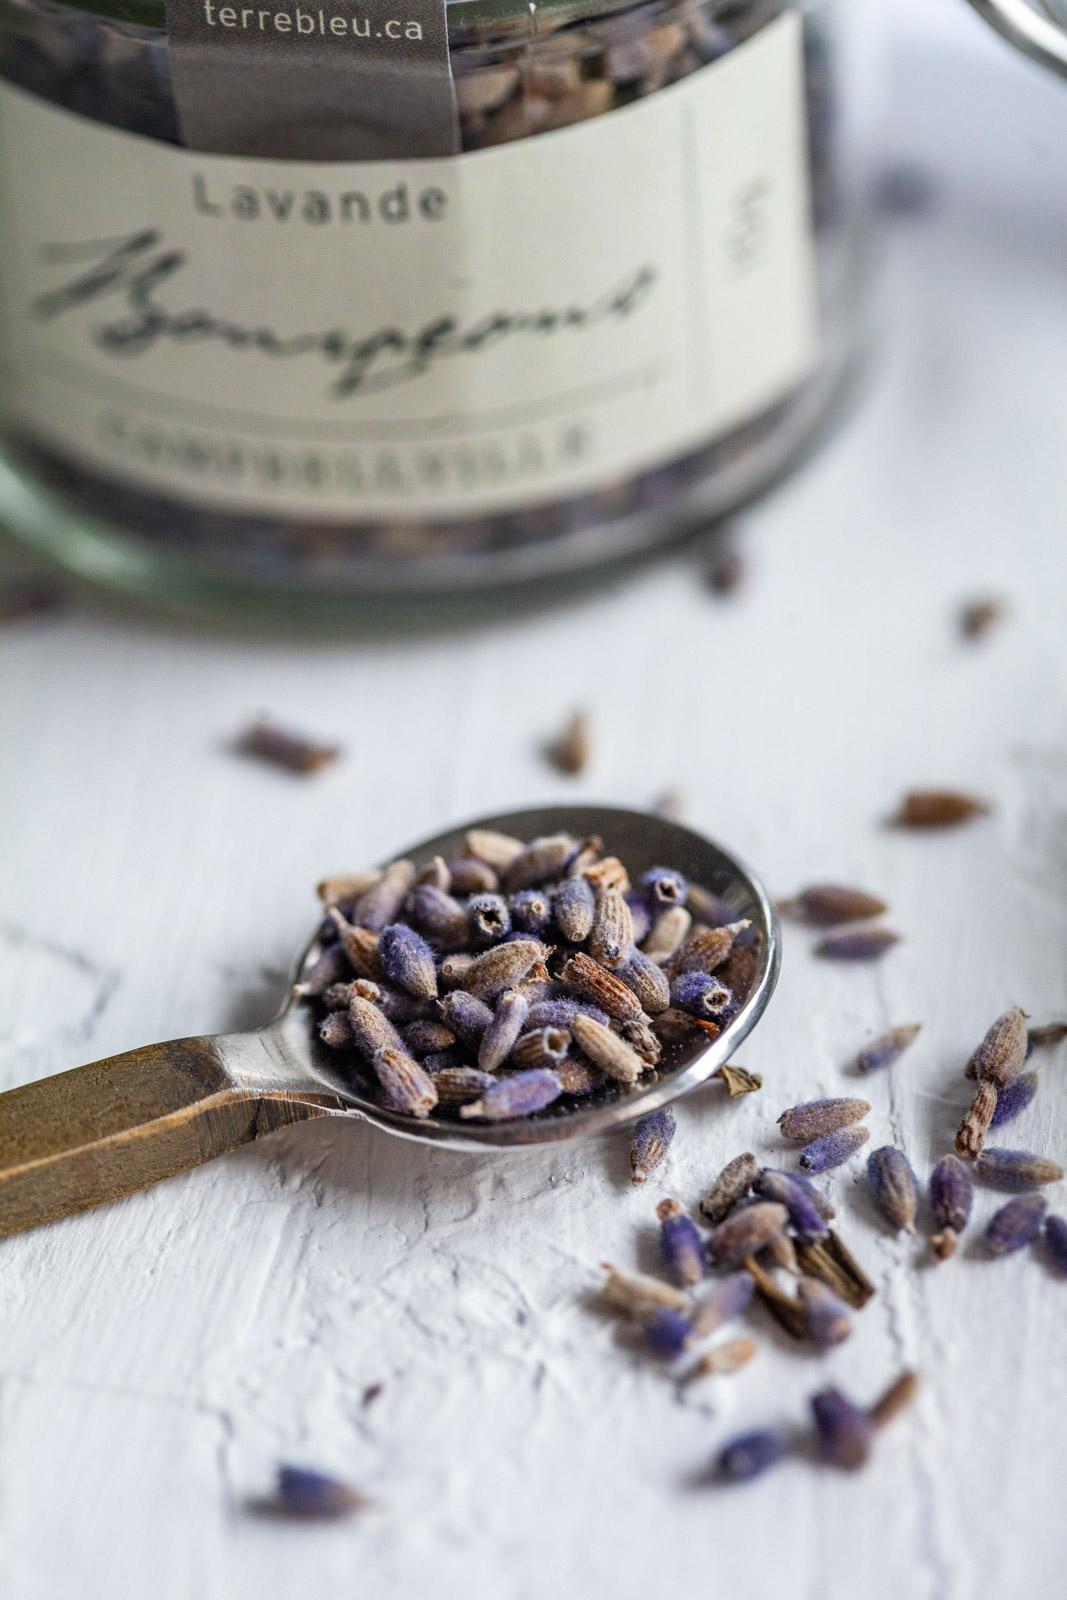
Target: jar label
424,338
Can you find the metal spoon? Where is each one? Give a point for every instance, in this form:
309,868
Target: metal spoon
108,1129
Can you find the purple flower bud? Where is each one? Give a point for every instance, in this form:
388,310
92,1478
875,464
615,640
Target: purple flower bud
844,1430
519,1095
701,995
896,1190
856,943
561,1013
299,1492
951,1199
882,1052
437,915
467,1016
650,1142
499,1037
1016,1169
647,980
826,1317
744,1232
804,1215
337,1031
1056,1240
1015,1225
331,967
725,1300
815,1195
681,1242
668,1332
471,876
832,1149
665,887
407,960
531,912
572,906
639,914
488,920
815,1117
749,1455
1014,1099
707,908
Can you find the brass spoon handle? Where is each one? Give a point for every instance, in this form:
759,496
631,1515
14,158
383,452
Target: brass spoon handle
81,1138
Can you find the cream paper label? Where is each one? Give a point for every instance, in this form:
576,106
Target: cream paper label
429,337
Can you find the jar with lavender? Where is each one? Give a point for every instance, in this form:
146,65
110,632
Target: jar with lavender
318,299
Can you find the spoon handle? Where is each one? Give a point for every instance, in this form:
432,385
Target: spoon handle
110,1128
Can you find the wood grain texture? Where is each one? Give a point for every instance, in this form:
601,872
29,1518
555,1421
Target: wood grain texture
159,1355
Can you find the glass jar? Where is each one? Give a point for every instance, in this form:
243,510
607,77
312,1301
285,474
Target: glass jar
616,306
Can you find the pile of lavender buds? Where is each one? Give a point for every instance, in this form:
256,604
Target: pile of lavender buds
518,975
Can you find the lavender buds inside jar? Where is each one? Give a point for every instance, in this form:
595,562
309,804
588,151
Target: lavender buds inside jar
482,335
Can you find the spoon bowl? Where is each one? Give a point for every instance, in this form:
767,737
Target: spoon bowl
88,1136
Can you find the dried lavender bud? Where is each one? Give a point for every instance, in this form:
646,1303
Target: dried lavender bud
640,915
970,1135
894,1400
488,919
604,989
407,960
827,905
822,1205
539,862
399,1007
704,949
578,1077
371,1029
639,1295
561,1013
779,1252
845,1431
665,887
497,850
649,1143
407,1085
678,1027
499,1037
424,1036
1056,1240
726,1299
573,904
667,933
338,995
612,934
1016,1169
611,1054
437,915
951,1199
882,1052
519,1095
608,873
436,874
360,945
502,967
314,1497
531,912
826,1318
437,1061
816,1117
331,966
1013,1100
458,1086
337,1031
856,942
832,1149
977,617
1050,1033
381,904
701,995
724,572
735,1180
345,889
648,981
639,1037
744,1232
280,748
750,1455
707,908
542,1047
681,1243
568,752
829,1261
938,808
466,1016
1015,1225
471,876
668,1333
804,1215
453,970
895,1188
738,1082
730,1356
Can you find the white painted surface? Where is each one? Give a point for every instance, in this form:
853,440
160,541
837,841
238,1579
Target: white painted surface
159,1356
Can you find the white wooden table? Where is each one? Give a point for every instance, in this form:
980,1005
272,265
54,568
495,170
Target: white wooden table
159,1356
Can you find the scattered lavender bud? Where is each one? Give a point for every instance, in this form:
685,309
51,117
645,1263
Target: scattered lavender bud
815,1117
573,904
437,915
360,946
561,1013
726,1299
665,887
408,1086
845,1431
648,981
612,934
542,1047
1056,1240
604,989
531,912
1016,1169
884,1051
1014,1099
750,1455
281,748
640,1037
539,862
894,1400
337,1031
436,874
519,1095
938,808
668,1333
977,617
649,1143
779,1252
424,1036
471,876
856,942
313,1496
701,995
832,1149
970,1135
681,1243
1015,1225
578,1077
458,1086
445,1060
725,570
330,967
372,1031
730,1356
1050,1033
826,1317
407,960
640,916
822,1205
345,889
704,949
502,967
453,970
466,1016
497,850
706,907
639,1295
606,1051
381,904
1000,1056
496,1042
488,919
895,1188
828,905
568,752
668,932
735,1180
744,1232
804,1215
951,1198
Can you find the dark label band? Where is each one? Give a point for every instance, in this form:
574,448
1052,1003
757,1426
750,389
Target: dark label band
314,80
